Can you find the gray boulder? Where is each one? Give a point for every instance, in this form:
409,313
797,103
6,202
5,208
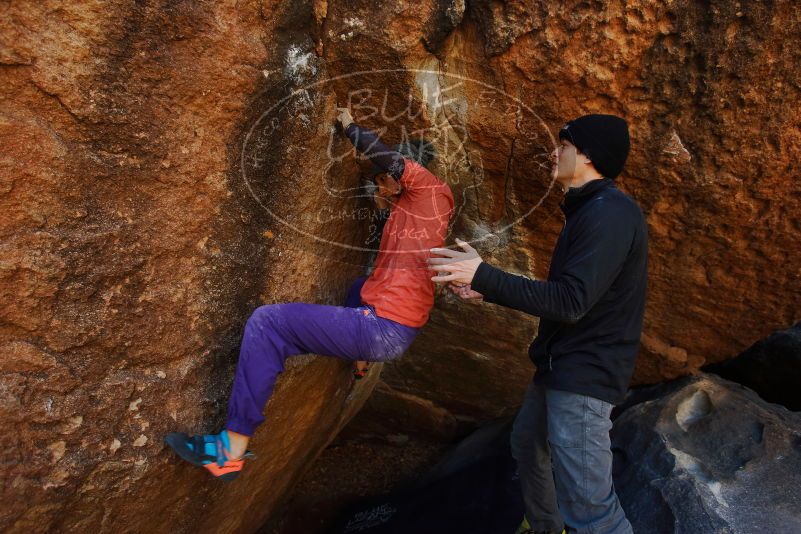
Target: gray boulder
709,456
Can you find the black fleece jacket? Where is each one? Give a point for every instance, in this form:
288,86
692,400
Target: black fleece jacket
591,307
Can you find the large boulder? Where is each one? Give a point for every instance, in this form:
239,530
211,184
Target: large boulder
133,247
708,456
698,454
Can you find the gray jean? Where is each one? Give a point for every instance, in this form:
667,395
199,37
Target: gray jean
561,443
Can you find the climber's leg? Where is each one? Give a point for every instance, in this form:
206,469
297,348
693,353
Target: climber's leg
354,300
274,333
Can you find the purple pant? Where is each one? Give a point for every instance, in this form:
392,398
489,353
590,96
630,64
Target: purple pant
277,331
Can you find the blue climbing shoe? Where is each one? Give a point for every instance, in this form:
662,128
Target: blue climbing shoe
209,451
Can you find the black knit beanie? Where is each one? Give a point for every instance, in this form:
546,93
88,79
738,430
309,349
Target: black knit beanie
602,138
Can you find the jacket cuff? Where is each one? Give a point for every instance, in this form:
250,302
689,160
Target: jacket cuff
484,281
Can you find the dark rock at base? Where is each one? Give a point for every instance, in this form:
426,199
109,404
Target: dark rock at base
473,490
771,367
708,457
697,455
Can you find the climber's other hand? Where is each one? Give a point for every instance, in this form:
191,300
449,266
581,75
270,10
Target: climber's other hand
464,291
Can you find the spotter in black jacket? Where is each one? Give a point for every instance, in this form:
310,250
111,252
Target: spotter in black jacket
591,307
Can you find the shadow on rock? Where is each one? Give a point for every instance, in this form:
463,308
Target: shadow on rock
771,367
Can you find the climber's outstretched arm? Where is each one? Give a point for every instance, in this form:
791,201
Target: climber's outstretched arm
368,143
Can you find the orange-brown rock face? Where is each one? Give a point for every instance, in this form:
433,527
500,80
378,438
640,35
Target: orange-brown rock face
167,166
133,251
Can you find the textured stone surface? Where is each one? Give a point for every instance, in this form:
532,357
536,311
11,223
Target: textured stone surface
132,253
709,456
152,195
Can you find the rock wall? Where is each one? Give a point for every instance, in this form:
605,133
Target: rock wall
169,165
133,252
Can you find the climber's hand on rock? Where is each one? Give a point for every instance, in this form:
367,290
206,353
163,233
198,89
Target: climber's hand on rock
464,291
344,117
455,266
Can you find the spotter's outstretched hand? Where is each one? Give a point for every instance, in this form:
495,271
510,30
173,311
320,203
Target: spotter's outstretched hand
455,266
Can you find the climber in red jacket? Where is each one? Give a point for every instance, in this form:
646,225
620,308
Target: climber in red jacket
383,316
